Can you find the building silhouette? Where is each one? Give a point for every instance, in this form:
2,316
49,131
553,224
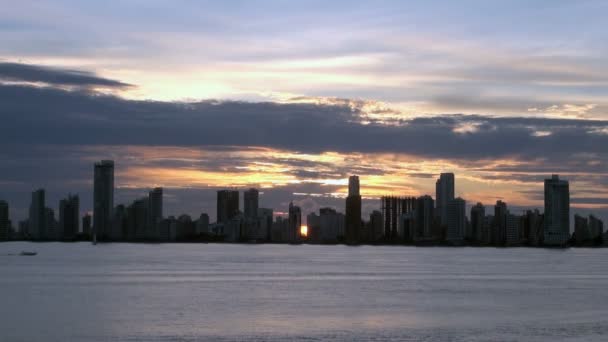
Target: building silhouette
456,211
331,225
499,227
36,224
227,205
478,214
4,221
295,222
424,218
557,212
376,226
392,209
155,212
264,231
250,199
596,227
532,226
353,211
444,193
103,198
202,224
137,219
581,229
50,224
69,217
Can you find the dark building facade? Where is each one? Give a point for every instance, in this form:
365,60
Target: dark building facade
251,203
69,217
353,211
4,221
103,198
227,205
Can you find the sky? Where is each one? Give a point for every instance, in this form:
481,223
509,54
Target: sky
292,97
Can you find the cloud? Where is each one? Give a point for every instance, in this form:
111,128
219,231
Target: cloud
54,116
29,73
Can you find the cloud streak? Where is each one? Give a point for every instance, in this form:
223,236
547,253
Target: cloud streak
29,73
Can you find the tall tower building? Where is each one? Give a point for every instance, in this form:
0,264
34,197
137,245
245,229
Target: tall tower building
295,222
424,214
50,225
69,217
251,198
4,221
444,193
557,211
353,211
103,198
499,229
155,209
478,214
36,226
353,186
227,205
456,220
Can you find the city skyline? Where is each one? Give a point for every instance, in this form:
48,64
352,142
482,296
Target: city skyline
419,219
293,99
353,187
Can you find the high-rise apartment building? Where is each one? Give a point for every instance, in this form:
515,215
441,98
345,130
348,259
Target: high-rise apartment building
456,216
227,205
353,211
36,226
69,217
557,211
4,221
444,193
251,201
103,198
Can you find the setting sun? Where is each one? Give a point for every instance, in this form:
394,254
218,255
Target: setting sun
304,231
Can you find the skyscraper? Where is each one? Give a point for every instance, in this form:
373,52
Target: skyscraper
424,214
596,227
69,217
478,214
557,211
155,211
137,219
265,216
4,221
457,221
581,229
376,226
227,205
499,229
103,198
353,211
295,222
251,197
444,193
353,186
50,224
36,226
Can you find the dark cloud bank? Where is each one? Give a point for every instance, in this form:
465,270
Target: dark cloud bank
53,116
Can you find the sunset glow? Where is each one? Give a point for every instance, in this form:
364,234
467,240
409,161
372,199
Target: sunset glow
304,231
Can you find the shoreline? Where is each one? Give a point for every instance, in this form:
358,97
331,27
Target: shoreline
314,244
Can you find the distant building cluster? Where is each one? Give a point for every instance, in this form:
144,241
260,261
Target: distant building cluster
401,220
